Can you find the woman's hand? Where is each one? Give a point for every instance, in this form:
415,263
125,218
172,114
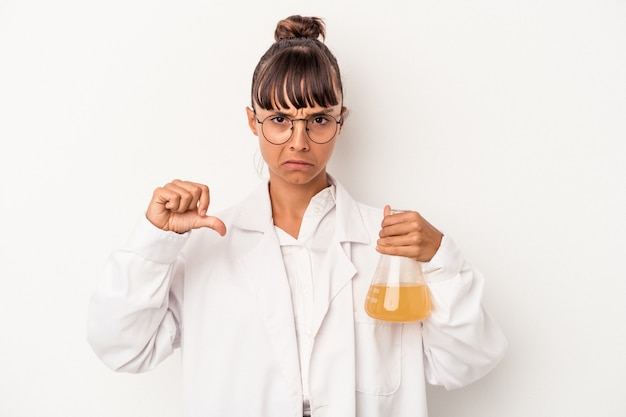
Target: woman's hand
181,206
408,234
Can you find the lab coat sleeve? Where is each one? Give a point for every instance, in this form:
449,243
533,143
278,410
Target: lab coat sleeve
133,318
462,342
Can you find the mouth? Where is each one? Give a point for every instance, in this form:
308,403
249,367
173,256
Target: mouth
297,164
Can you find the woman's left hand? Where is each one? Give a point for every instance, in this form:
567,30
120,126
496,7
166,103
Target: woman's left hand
408,234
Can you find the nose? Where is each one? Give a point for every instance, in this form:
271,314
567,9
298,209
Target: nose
299,134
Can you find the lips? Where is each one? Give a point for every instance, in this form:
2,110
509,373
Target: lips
296,163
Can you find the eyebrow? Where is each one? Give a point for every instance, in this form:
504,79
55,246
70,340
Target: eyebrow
281,112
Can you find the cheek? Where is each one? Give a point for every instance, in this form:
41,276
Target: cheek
328,151
268,151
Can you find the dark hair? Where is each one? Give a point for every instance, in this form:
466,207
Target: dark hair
298,69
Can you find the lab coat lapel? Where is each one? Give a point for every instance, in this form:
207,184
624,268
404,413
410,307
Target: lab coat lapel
336,272
338,268
264,269
333,316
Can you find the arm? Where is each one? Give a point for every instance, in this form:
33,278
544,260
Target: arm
462,342
134,314
135,310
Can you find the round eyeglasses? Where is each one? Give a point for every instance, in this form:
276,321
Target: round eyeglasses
320,128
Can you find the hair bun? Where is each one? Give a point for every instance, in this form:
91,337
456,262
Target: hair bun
300,27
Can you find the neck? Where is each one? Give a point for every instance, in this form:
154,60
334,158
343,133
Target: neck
289,202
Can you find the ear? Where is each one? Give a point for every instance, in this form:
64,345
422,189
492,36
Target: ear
344,114
252,121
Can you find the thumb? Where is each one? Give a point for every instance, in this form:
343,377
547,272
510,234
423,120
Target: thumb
387,210
212,222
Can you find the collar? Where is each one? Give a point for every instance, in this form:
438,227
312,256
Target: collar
255,213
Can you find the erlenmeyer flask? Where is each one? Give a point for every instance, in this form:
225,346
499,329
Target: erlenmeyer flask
398,291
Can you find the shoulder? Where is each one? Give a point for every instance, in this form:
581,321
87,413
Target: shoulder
357,221
251,213
345,200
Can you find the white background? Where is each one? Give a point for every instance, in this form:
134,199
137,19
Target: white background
502,122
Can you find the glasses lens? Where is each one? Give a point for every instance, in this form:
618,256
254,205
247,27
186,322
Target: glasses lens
321,128
276,129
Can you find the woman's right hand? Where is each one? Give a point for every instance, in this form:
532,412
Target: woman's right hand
181,206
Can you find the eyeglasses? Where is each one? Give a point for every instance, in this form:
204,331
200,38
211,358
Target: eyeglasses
320,128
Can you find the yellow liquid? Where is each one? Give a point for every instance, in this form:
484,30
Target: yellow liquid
400,303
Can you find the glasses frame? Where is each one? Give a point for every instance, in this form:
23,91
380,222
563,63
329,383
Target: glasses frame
306,127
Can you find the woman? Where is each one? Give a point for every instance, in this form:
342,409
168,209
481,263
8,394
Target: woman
269,310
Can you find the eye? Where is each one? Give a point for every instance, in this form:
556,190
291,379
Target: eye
320,120
279,120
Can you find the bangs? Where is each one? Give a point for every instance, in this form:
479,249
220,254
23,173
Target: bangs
298,78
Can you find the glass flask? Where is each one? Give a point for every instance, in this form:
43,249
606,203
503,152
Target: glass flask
398,291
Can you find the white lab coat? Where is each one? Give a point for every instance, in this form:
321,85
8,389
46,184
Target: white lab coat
226,302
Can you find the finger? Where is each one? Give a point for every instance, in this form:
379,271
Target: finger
407,251
402,223
193,188
394,216
405,239
157,212
386,213
168,198
204,200
185,198
214,223
420,246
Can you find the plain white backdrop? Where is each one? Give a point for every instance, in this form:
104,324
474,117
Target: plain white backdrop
502,122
